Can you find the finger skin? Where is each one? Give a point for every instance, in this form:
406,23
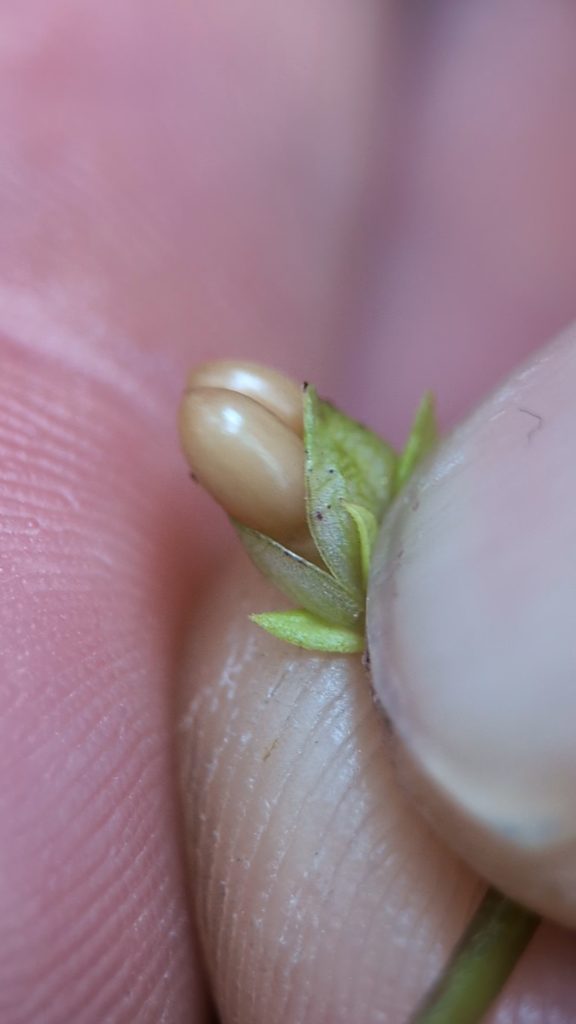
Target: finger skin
471,613
145,227
476,248
322,897
189,174
92,895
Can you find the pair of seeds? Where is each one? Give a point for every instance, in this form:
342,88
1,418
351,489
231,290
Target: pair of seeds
241,428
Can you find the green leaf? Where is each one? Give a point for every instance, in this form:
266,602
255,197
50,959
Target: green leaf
307,584
302,629
422,439
367,528
345,463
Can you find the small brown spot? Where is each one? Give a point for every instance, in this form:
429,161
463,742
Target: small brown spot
270,749
318,516
305,385
194,477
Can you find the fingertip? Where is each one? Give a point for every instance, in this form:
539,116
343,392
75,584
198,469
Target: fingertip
471,614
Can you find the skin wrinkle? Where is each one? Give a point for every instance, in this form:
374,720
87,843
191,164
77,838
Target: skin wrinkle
232,941
205,878
392,880
231,937
89,455
397,970
282,850
262,830
370,993
37,416
83,712
326,831
309,996
102,962
98,996
273,867
327,768
339,1001
392,887
273,871
77,835
83,925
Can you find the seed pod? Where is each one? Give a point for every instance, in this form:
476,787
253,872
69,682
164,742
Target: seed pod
247,459
278,393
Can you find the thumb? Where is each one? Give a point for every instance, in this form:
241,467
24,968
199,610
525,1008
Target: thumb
472,628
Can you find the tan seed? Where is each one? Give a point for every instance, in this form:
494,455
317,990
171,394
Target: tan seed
249,461
278,393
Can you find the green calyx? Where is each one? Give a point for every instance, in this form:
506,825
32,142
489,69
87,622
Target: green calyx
352,477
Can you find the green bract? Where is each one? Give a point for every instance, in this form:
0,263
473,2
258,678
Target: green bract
315,589
351,478
421,440
345,464
302,629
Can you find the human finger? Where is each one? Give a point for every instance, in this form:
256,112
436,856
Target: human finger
470,627
137,236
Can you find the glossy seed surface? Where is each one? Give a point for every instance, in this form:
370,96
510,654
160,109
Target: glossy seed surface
246,458
279,394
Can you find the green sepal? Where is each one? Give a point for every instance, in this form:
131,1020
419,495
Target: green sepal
422,439
302,629
303,582
367,529
345,463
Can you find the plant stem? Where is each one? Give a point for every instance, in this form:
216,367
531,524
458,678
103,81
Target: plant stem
481,963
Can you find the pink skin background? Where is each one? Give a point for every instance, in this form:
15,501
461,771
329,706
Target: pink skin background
375,196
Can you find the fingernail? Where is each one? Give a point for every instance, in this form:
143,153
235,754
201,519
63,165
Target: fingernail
472,631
